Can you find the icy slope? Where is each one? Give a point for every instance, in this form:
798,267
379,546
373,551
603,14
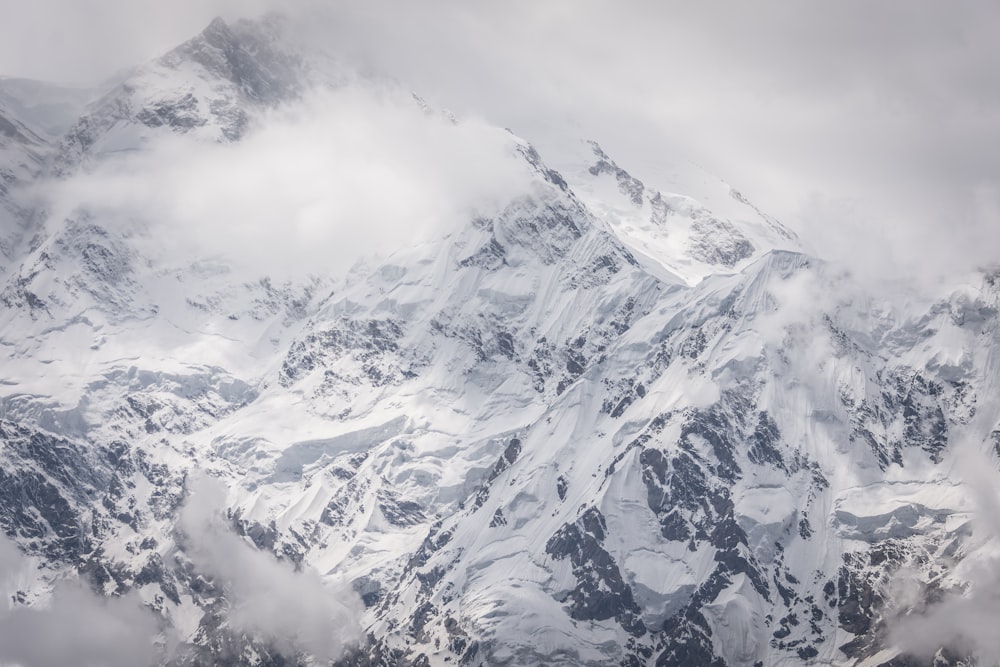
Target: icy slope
677,506
208,86
673,215
22,152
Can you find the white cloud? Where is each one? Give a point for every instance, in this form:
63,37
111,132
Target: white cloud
12,567
268,599
966,615
320,183
73,626
794,105
295,610
84,42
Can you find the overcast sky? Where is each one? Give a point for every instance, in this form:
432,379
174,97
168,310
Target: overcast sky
863,124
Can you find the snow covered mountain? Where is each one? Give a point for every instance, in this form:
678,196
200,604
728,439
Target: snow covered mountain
21,151
619,417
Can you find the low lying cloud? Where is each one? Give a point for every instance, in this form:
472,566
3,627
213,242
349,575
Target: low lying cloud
966,617
295,611
12,562
920,243
74,626
964,622
318,184
268,599
900,125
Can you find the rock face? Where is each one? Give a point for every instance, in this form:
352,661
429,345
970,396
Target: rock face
590,428
22,151
210,86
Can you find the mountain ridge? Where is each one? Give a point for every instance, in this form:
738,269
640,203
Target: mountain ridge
603,424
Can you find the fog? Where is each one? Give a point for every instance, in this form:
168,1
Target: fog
319,184
868,128
74,625
964,614
294,610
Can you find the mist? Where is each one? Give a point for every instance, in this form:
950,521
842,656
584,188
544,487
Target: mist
867,128
964,616
73,625
294,610
870,129
318,184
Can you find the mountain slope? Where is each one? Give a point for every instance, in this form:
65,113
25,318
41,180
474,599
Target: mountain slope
22,152
601,422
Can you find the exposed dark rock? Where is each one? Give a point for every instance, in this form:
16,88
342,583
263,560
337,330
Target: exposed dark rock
628,185
399,512
718,242
372,344
498,519
921,403
509,456
561,486
660,209
600,593
180,114
48,486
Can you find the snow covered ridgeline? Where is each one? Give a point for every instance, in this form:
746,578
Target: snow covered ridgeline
720,477
600,422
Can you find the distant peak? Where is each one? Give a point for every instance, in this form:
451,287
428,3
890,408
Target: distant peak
217,25
217,32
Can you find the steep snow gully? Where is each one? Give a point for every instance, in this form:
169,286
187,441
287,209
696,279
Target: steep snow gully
607,418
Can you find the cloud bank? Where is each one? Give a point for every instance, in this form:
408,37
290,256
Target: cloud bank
293,610
868,128
74,626
965,616
296,611
319,184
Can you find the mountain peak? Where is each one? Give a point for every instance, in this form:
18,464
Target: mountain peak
209,86
250,54
216,26
616,417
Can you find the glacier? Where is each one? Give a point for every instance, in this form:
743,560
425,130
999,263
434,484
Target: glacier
617,415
